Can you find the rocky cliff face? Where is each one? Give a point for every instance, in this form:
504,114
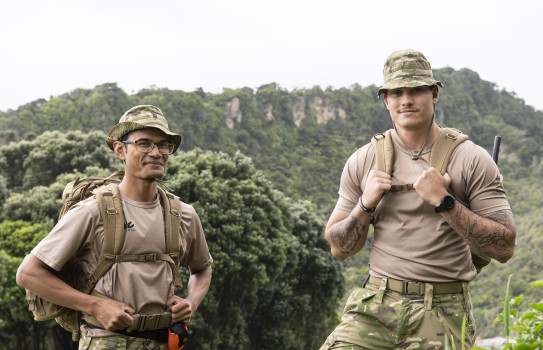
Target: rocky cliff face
321,107
232,112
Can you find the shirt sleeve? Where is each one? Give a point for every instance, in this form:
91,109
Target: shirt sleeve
353,177
70,235
484,186
196,254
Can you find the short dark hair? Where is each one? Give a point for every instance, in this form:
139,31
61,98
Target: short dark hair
125,136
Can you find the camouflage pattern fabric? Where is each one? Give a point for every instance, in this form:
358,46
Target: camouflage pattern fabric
376,318
141,117
120,342
407,68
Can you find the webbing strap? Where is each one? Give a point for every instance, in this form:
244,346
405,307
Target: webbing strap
416,287
172,223
384,151
445,144
109,203
111,211
398,188
141,322
146,257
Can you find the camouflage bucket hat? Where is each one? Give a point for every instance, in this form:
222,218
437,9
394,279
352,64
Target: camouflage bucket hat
141,117
407,68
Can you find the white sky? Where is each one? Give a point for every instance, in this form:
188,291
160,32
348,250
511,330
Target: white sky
48,48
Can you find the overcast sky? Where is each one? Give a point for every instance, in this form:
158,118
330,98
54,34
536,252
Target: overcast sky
52,47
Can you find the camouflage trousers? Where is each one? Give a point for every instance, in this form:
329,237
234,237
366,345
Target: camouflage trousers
118,342
377,318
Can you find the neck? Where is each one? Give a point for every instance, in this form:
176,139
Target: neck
139,190
414,139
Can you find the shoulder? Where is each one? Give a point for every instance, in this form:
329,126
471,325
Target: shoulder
189,218
87,207
188,210
469,145
472,155
362,155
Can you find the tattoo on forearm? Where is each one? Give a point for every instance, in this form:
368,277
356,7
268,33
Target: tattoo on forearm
347,233
492,236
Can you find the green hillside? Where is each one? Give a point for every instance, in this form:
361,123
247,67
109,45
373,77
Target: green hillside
299,140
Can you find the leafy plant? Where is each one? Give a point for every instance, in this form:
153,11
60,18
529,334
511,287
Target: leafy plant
527,327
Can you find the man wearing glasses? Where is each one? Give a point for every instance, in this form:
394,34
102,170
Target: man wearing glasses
143,142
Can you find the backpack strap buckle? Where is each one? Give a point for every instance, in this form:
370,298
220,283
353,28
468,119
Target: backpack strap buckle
150,257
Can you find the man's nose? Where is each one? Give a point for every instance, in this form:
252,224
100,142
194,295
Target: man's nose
155,152
407,99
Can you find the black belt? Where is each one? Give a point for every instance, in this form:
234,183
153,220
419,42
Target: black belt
159,335
417,288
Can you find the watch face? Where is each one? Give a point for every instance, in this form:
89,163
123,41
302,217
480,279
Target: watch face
448,201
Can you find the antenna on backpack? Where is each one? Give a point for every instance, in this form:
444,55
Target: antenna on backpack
496,150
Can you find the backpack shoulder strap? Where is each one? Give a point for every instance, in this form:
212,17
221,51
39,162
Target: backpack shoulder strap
111,211
172,222
384,151
446,142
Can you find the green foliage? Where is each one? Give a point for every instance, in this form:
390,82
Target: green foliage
17,238
81,109
273,277
527,327
4,192
299,141
27,164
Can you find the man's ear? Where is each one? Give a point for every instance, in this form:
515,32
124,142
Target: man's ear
435,93
385,100
120,150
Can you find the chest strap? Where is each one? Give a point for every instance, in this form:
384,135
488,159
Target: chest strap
145,257
398,188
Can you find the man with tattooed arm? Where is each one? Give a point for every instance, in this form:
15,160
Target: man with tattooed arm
424,235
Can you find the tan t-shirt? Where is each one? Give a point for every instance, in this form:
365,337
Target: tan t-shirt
145,286
411,241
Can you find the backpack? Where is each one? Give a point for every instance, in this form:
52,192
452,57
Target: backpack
107,195
445,144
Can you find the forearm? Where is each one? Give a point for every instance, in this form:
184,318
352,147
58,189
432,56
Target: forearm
34,275
492,236
198,285
348,236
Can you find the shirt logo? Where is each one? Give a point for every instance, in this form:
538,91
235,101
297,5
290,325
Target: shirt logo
129,226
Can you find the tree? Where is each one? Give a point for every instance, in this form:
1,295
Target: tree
17,327
274,281
27,164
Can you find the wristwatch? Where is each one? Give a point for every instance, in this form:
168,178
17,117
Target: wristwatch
447,203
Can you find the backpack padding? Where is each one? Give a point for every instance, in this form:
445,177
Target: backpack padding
445,144
384,151
172,205
111,211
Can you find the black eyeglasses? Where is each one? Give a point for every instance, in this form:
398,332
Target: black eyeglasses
146,146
